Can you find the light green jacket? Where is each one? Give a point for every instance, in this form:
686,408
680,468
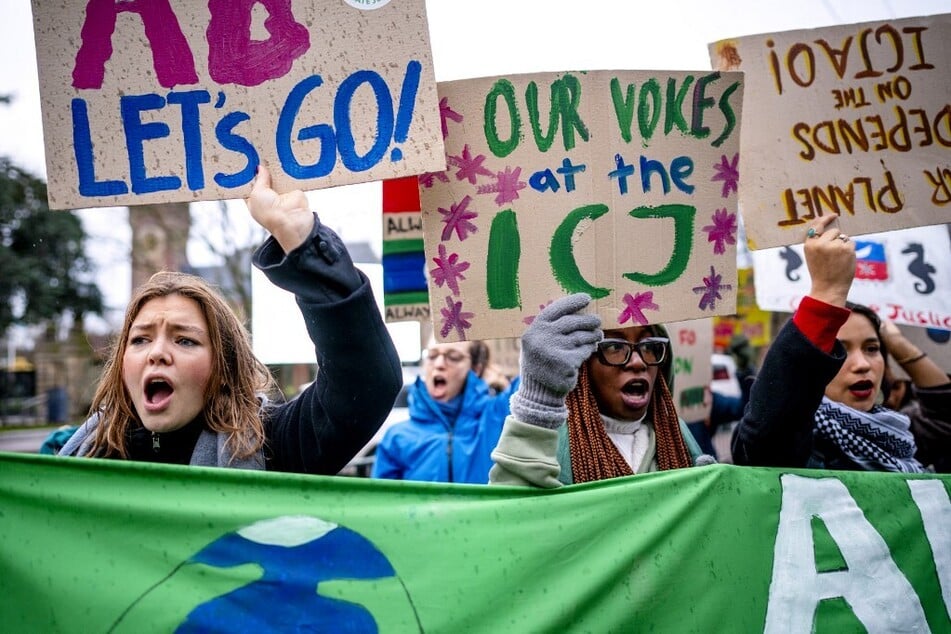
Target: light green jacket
529,455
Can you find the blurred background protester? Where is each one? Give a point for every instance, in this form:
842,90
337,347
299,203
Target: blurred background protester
486,369
744,355
728,395
455,418
925,397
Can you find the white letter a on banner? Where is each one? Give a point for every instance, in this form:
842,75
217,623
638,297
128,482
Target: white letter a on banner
878,593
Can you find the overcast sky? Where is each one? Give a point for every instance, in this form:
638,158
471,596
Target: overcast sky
469,39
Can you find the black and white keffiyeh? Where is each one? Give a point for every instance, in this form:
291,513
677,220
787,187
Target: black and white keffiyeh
877,440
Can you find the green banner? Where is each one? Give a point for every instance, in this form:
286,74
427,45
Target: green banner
109,546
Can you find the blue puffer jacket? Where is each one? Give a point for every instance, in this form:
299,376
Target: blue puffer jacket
427,447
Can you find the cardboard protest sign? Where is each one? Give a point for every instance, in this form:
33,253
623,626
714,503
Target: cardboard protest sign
853,120
905,276
405,288
692,344
621,184
180,100
750,321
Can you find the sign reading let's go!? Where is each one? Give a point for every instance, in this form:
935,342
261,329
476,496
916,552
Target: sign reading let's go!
180,100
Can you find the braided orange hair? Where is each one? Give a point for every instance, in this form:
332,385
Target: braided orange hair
594,456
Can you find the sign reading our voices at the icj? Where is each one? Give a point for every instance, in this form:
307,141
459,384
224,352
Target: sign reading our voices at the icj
621,184
180,100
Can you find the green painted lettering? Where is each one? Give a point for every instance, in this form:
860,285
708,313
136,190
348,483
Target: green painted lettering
675,104
505,249
648,112
727,109
623,107
569,96
691,397
562,257
683,217
543,141
503,89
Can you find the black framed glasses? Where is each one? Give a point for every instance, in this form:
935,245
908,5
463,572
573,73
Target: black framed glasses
617,352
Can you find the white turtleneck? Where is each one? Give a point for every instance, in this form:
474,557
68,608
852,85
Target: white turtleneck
631,438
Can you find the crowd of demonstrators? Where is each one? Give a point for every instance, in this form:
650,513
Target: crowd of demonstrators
182,384
817,400
455,418
591,405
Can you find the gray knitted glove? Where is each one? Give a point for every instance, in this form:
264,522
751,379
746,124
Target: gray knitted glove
554,346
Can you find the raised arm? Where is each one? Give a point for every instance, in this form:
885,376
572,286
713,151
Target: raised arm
287,217
554,346
919,367
358,375
776,428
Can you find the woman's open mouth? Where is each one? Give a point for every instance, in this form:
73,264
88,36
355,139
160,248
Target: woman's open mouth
861,390
636,393
158,393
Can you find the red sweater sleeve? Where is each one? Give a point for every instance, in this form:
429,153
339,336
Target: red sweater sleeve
820,322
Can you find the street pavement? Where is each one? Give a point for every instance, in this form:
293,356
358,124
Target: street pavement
23,440
29,440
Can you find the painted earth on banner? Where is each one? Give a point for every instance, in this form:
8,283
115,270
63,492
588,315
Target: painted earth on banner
109,546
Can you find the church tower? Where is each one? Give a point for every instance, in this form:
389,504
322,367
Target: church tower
159,238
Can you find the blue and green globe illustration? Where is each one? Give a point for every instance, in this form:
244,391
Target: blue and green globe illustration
286,574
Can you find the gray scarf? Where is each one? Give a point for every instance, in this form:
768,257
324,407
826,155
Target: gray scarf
211,450
877,440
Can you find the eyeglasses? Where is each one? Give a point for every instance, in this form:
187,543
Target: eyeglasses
617,352
451,356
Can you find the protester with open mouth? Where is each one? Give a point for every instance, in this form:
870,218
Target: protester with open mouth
182,384
455,418
817,399
591,405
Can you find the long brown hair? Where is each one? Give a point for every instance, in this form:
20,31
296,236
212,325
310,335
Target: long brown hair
594,456
237,379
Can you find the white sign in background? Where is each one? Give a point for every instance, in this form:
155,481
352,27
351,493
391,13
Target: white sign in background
279,333
905,276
